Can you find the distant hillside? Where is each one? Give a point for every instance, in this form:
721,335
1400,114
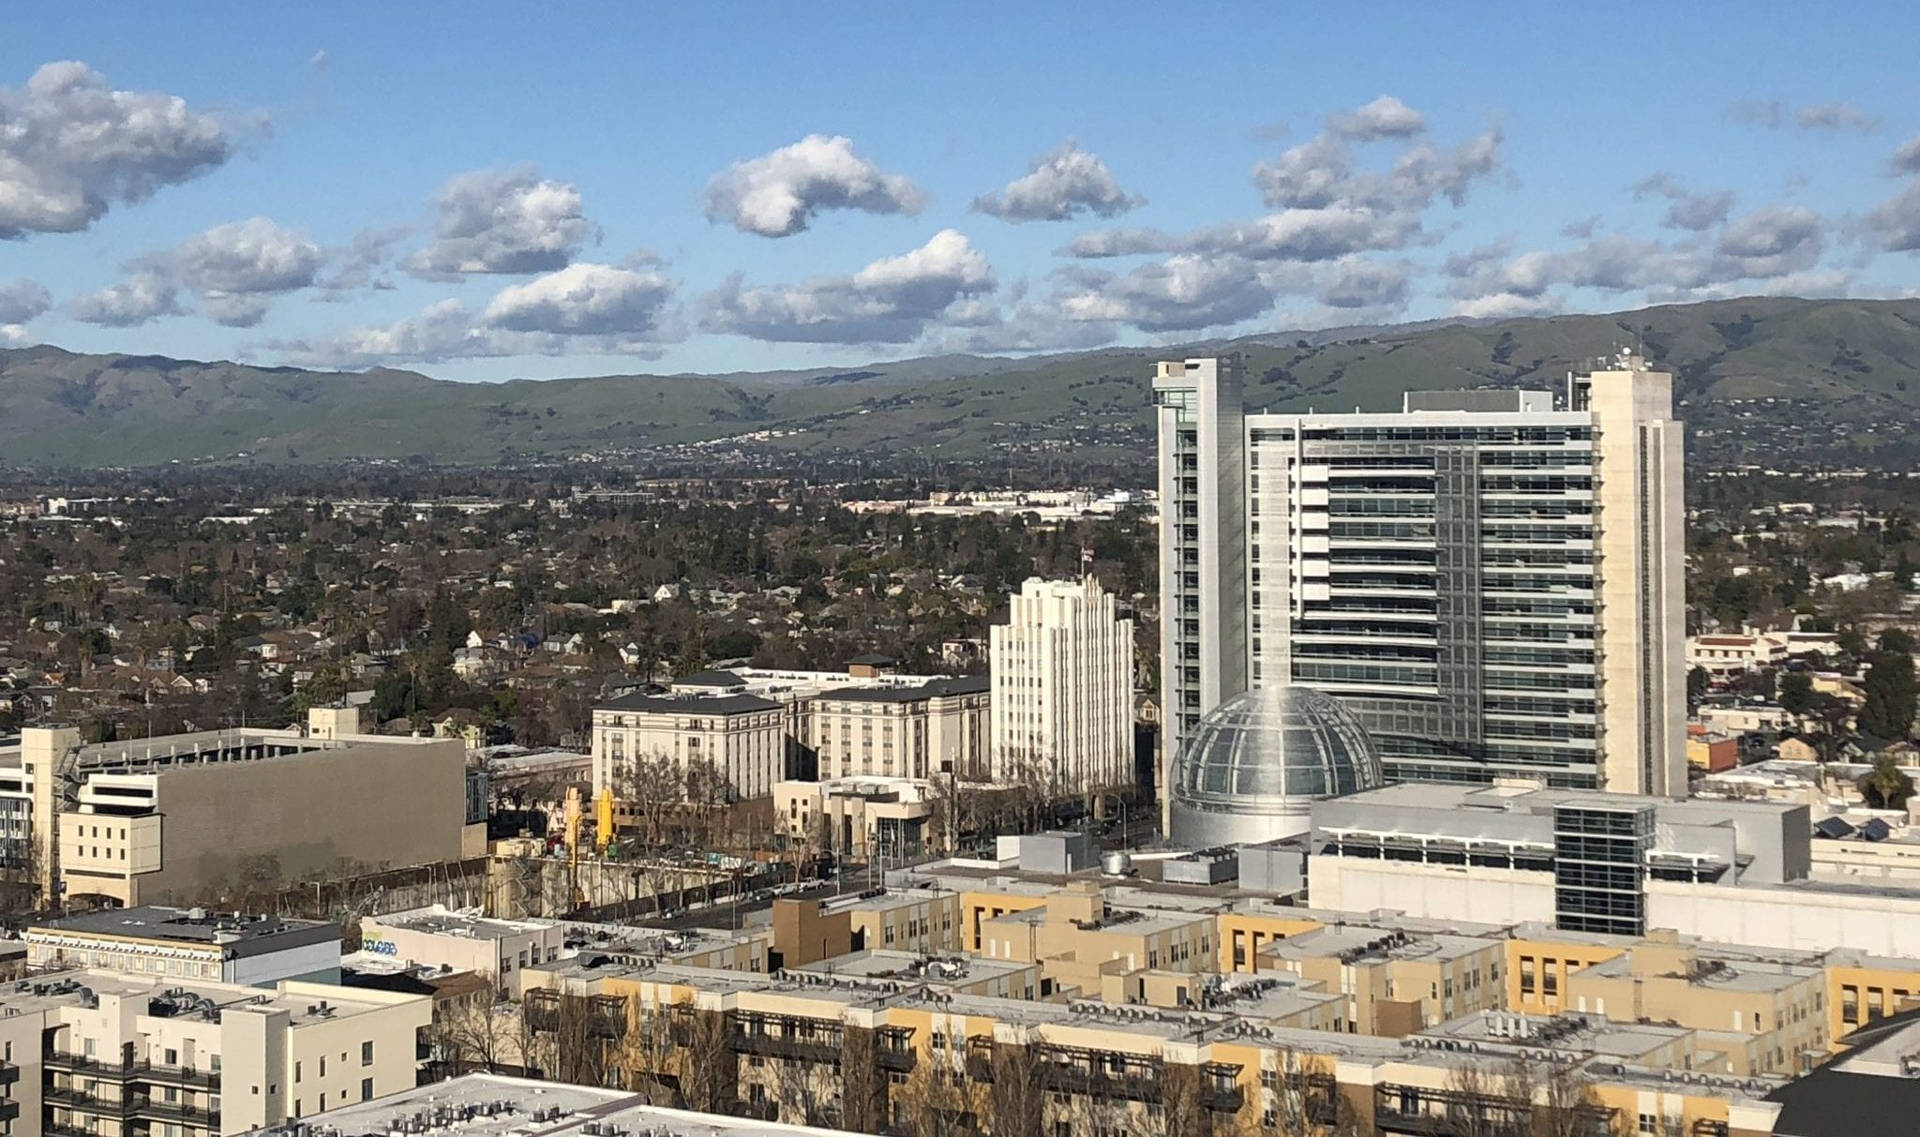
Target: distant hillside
1851,368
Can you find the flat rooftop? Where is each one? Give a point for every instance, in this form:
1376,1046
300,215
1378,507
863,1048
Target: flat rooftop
439,920
235,933
491,1105
1357,942
168,997
912,967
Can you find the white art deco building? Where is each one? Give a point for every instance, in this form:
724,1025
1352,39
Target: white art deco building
1491,580
1063,686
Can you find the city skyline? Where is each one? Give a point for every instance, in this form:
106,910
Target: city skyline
674,196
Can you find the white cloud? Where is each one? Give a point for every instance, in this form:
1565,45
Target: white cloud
892,300
1355,282
504,221
254,255
1771,241
1505,305
1897,220
1384,117
1185,292
1098,243
584,299
778,194
22,301
1906,159
143,297
1694,212
1058,186
1319,234
71,147
1836,115
1770,244
236,268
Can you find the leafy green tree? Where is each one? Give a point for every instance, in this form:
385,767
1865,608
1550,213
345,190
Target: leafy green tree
1886,786
1796,692
1890,688
1697,683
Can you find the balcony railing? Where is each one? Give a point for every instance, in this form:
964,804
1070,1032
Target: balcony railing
1222,1099
899,1061
176,1111
92,1067
796,1047
1417,1111
164,1074
79,1101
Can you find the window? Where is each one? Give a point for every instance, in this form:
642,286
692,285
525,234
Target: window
366,1054
1649,1124
366,1089
296,1073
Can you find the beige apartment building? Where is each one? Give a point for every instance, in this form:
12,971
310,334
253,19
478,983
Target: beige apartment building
740,739
182,818
934,729
1394,981
1077,938
117,1055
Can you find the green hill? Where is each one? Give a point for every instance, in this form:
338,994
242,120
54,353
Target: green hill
1848,371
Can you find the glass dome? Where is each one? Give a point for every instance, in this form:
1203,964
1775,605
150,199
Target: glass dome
1250,770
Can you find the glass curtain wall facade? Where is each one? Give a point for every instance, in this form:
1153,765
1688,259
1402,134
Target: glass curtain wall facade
1435,572
1490,579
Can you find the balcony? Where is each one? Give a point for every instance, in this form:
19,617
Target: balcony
894,1049
92,1067
1417,1111
93,1105
161,1073
898,1061
766,1109
1222,1099
180,1112
979,1059
1100,1073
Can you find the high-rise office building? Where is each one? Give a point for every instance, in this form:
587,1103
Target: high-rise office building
1492,582
1063,685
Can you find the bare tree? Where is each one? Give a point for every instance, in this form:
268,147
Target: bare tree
477,1034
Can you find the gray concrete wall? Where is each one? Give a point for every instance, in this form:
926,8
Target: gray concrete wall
373,804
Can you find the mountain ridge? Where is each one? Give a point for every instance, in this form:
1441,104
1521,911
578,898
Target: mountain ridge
1858,359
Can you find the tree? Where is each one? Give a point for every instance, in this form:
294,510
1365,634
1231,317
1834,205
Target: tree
1886,786
1796,692
1890,688
1697,683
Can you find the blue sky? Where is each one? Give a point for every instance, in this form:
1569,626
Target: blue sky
506,190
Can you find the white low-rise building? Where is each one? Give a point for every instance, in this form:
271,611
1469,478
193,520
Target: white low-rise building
854,815
193,944
1725,653
464,941
197,1058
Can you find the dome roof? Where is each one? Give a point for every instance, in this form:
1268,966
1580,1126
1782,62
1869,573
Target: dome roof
1251,768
